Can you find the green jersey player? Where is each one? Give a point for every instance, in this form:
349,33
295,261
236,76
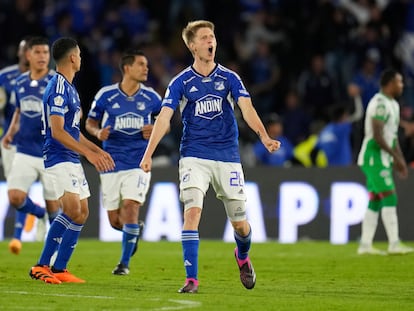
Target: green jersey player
379,154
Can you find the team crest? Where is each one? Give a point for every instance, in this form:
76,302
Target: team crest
219,85
140,106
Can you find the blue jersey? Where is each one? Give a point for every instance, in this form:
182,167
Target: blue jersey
61,99
126,115
335,141
8,77
29,95
207,111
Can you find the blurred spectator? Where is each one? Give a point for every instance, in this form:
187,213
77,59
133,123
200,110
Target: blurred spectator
405,52
85,14
182,11
317,89
296,122
284,155
136,19
335,138
367,78
262,77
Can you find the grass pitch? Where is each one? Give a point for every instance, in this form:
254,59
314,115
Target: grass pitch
302,276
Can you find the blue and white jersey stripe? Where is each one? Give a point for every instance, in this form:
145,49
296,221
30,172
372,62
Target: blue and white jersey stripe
126,115
207,106
29,99
60,99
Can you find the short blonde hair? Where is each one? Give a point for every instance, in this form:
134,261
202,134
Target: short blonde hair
191,29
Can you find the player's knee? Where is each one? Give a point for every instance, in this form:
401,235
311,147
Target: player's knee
192,197
16,197
235,210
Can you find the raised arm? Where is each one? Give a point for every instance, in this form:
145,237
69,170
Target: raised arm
254,122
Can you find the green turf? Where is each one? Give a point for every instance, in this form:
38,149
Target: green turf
302,276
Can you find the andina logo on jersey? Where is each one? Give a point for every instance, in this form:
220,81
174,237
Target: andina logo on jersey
129,123
31,106
209,107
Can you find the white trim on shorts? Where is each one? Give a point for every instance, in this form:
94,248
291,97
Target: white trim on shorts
227,178
130,184
69,177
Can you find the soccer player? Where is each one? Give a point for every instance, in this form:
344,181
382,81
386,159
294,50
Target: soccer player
27,165
64,142
8,77
379,154
121,116
206,93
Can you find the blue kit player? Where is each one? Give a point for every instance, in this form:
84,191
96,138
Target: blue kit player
27,165
206,94
121,117
63,143
8,77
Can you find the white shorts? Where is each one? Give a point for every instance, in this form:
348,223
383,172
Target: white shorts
25,170
129,184
69,177
7,156
227,178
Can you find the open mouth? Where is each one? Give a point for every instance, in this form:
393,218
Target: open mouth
210,49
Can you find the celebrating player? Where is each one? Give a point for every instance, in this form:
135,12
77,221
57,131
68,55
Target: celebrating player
206,93
121,116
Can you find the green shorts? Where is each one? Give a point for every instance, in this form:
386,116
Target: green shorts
379,178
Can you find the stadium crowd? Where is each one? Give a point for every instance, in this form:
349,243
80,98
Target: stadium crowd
300,59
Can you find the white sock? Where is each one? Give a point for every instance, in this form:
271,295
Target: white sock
390,221
369,226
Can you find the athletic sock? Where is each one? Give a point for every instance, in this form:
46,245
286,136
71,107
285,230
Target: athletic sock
190,242
390,221
29,207
19,221
54,238
67,246
129,239
243,244
52,215
369,226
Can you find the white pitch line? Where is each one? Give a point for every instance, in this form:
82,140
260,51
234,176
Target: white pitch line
63,295
182,304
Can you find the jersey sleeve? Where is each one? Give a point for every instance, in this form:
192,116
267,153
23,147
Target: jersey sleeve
98,107
58,103
173,94
379,110
237,87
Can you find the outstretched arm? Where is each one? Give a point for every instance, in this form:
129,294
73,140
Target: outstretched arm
102,161
161,127
254,122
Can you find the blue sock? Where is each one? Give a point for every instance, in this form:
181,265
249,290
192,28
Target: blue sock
190,241
29,207
129,239
53,215
19,221
54,238
67,246
243,244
